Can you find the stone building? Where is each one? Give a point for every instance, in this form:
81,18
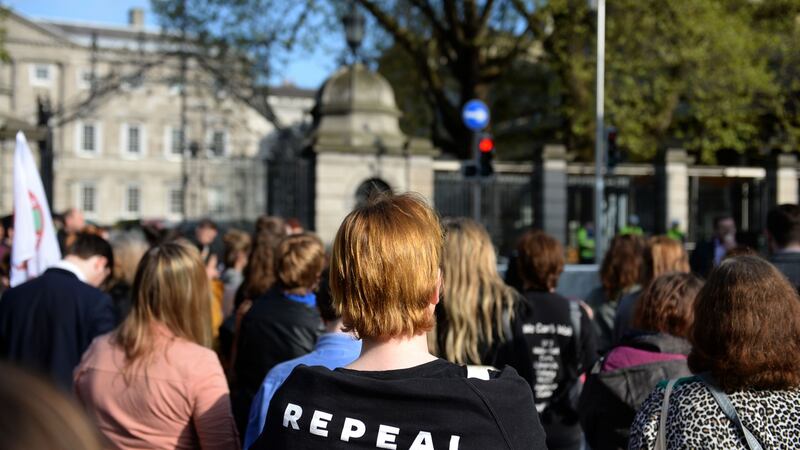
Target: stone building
117,128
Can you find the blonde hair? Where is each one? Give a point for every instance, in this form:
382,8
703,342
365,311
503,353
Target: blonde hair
236,242
129,247
663,255
299,261
170,288
385,267
475,297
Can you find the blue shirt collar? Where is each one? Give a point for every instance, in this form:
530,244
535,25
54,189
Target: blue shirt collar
309,299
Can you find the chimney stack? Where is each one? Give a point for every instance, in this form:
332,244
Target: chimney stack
136,18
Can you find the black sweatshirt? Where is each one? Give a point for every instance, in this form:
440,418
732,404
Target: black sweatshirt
427,407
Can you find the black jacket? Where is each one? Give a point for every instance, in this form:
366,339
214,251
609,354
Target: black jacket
610,399
48,322
276,329
789,264
432,405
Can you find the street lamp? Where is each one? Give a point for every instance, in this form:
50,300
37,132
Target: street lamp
599,156
353,22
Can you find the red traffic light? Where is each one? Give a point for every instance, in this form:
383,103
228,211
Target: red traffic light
486,145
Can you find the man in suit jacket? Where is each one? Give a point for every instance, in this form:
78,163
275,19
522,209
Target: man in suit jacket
708,254
48,322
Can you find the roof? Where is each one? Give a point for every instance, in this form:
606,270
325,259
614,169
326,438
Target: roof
290,90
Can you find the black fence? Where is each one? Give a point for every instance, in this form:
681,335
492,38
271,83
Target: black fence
506,203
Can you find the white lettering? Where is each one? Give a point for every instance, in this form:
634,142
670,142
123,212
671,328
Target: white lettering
454,440
353,429
319,421
423,441
290,416
386,437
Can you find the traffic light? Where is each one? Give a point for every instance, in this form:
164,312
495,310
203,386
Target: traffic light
486,154
613,153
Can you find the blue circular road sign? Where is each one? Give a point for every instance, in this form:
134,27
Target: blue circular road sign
475,115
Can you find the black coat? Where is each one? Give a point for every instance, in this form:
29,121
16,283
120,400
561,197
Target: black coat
609,400
274,330
48,322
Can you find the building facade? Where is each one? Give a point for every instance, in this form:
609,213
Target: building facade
122,107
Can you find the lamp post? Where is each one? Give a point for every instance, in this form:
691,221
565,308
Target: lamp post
599,145
353,22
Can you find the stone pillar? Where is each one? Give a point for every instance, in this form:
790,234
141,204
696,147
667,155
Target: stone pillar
673,184
550,191
782,180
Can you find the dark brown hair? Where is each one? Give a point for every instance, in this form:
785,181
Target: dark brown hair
622,265
667,304
541,260
300,258
747,327
783,224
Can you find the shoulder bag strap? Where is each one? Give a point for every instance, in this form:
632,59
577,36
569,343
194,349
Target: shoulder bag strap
661,438
730,412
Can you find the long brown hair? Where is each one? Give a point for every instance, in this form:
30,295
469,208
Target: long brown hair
747,327
259,275
621,265
474,295
170,289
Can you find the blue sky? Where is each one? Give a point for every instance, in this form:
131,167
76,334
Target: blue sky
304,70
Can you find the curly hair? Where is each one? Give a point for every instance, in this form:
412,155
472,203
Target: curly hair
622,265
667,304
747,327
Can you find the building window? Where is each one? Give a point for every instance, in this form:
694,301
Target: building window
133,140
88,142
216,200
41,75
133,200
85,78
88,198
218,139
175,139
134,136
175,200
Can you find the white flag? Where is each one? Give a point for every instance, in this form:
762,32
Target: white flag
35,247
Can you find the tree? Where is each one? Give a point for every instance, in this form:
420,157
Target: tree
458,50
685,71
240,42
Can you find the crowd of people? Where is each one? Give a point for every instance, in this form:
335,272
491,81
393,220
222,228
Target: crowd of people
401,335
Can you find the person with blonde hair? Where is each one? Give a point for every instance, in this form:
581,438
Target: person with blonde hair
153,382
662,255
476,318
129,247
385,280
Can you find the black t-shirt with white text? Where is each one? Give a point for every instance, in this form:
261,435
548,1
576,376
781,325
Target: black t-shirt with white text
433,406
559,354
